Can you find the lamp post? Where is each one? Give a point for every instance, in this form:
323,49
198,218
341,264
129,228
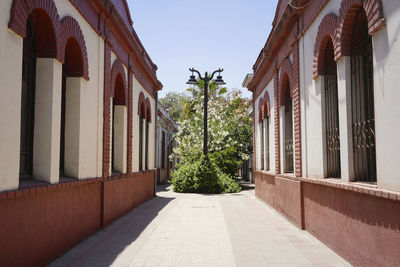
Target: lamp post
206,79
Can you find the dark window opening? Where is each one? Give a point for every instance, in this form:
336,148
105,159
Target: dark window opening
331,113
27,102
362,98
62,128
267,155
262,144
146,157
163,150
141,118
289,165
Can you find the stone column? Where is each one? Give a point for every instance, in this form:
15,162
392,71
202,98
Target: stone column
46,144
345,120
120,138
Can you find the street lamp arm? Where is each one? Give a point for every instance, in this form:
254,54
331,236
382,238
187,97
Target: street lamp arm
198,73
219,70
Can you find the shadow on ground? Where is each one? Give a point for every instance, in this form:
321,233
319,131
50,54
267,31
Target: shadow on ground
103,248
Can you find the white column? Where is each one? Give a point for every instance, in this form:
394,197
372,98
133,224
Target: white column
46,144
345,120
10,110
120,139
74,154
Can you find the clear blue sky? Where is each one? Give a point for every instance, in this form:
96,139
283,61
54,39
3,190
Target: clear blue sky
204,34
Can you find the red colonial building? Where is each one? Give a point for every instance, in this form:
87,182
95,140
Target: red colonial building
78,124
326,124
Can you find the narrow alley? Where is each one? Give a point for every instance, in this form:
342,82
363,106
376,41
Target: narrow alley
201,230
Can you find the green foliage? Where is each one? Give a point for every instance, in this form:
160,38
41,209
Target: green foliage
202,175
229,141
175,103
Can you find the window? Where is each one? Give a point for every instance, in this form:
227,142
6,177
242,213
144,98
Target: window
261,125
332,142
289,168
163,150
146,158
362,100
141,121
266,143
27,102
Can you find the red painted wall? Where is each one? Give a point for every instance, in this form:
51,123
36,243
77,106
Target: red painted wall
361,227
39,224
281,193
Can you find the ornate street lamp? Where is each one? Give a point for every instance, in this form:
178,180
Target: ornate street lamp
206,79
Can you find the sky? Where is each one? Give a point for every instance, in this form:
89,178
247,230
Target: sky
204,34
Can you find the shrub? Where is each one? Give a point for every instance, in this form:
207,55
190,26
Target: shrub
202,176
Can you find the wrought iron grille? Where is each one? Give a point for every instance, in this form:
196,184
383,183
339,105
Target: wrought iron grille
288,135
267,144
262,145
331,114
362,97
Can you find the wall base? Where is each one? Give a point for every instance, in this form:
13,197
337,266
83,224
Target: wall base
361,224
39,224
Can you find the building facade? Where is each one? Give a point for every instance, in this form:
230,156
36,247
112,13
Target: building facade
325,121
78,123
166,143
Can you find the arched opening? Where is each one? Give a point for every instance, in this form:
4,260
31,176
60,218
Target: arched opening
362,98
141,122
288,126
39,42
119,128
261,131
28,101
332,137
72,69
266,133
146,158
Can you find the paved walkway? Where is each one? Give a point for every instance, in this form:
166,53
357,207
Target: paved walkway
201,230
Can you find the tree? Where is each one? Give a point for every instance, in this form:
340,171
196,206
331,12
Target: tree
175,103
229,132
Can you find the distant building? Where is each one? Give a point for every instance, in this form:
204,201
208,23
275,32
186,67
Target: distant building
326,120
78,124
166,143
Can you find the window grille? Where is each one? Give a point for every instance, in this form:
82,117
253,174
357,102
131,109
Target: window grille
331,114
362,97
289,168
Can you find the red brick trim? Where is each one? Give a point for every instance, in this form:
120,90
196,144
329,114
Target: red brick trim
267,105
348,9
297,109
326,31
130,121
106,109
277,123
71,29
260,110
286,75
118,69
50,44
148,109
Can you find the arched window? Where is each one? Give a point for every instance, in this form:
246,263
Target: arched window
288,126
266,131
119,130
362,98
146,156
74,72
141,122
332,142
28,101
261,126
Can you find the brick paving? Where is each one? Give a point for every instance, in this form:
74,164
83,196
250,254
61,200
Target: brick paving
201,230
